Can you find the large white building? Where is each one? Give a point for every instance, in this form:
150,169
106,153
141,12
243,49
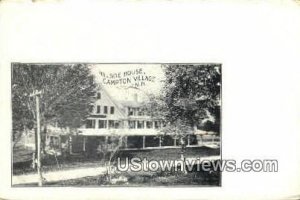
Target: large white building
125,121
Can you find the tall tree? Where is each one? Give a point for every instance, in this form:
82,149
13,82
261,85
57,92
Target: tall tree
68,90
190,94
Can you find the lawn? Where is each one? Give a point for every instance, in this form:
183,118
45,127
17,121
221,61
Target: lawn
130,178
144,178
151,179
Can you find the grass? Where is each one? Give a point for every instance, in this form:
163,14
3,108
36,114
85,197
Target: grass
22,154
49,163
169,154
130,178
150,179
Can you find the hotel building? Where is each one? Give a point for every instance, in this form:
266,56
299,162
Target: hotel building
124,123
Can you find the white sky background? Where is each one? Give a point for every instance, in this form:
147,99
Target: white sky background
119,91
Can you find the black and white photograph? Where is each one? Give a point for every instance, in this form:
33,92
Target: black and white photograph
151,100
78,124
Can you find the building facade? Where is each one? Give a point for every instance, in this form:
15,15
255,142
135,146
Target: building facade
121,124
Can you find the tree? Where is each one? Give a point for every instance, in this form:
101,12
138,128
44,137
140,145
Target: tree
190,94
109,151
68,91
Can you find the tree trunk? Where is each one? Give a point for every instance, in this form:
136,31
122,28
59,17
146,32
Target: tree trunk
182,157
44,138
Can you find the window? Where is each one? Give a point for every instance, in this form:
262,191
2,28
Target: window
117,124
98,95
149,124
98,109
140,124
91,109
140,112
135,110
157,124
102,124
130,111
90,123
111,124
131,124
54,142
112,110
105,109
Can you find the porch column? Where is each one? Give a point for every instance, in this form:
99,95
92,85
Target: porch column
188,140
144,138
60,144
105,142
96,123
159,141
70,144
84,141
174,142
135,124
125,138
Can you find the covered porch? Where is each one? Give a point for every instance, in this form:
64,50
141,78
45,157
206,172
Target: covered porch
91,141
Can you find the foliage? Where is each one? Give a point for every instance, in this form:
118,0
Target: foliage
109,151
191,93
68,90
209,125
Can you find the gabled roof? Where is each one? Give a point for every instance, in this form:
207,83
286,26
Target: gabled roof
111,99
